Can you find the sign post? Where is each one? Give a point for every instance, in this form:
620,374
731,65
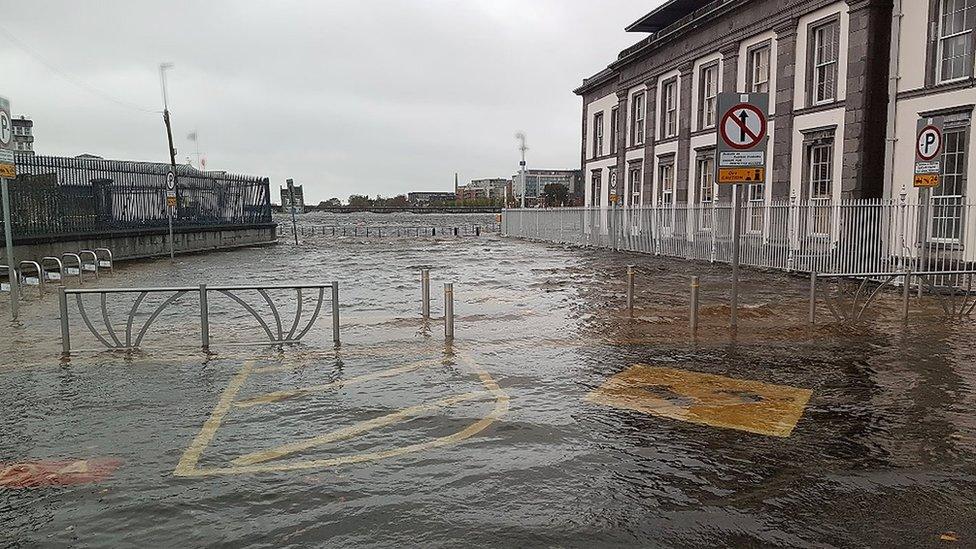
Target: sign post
8,170
170,206
291,200
740,150
928,169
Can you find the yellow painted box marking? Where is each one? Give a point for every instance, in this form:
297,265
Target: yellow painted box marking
706,399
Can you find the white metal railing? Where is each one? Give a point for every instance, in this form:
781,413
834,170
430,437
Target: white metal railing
851,236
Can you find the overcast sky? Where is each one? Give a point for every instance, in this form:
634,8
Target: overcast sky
358,96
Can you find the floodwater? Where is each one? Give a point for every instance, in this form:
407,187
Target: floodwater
553,419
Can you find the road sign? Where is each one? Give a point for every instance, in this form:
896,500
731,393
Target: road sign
171,201
742,138
171,189
8,167
928,152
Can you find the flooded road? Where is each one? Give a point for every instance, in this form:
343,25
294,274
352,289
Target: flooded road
553,419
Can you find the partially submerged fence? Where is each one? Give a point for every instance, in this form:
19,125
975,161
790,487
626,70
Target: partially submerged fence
276,328
856,236
55,196
382,231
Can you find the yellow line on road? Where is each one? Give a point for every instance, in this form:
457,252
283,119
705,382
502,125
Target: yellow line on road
191,456
281,395
399,416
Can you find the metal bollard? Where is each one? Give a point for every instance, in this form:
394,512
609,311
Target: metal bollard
449,311
477,231
204,318
905,293
693,316
65,336
425,293
813,297
630,290
335,312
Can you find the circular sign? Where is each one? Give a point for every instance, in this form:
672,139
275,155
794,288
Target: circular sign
743,126
929,143
6,128
170,181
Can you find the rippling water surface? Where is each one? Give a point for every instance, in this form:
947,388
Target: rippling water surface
398,439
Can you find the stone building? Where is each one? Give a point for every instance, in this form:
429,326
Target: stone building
23,141
839,127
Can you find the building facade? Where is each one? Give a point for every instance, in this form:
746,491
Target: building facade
847,80
536,181
493,188
23,139
287,202
422,198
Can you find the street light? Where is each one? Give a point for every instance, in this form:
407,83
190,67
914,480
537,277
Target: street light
521,137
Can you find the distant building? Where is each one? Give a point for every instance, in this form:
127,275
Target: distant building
493,188
467,192
299,200
23,141
536,181
426,198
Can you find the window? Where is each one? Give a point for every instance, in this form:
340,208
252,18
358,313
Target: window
635,185
820,170
597,134
595,190
825,39
706,188
756,196
637,136
948,197
669,98
667,194
957,19
708,94
614,129
757,72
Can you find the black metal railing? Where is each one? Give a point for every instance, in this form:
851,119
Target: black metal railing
57,196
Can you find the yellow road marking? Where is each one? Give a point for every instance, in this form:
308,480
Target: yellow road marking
281,395
707,399
400,416
188,463
191,456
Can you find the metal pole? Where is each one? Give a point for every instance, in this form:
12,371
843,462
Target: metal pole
335,312
204,318
736,231
425,293
906,291
172,151
695,284
65,336
291,199
9,243
630,290
449,311
813,297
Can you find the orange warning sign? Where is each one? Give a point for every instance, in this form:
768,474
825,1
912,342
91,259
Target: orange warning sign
171,201
39,474
8,171
926,180
741,175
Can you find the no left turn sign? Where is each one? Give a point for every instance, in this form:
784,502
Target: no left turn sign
743,126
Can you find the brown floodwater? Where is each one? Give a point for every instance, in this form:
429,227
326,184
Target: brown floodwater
553,419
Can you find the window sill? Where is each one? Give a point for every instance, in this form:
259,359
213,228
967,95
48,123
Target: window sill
817,108
944,87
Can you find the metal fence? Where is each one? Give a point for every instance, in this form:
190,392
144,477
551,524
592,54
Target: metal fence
56,196
854,236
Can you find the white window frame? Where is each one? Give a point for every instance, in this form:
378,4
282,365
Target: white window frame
955,200
823,67
598,134
640,114
756,197
669,97
709,106
942,39
754,62
634,174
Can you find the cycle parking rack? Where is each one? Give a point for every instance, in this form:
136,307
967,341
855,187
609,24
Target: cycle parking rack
53,270
89,266
72,266
25,279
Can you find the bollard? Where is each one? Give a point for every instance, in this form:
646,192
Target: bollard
455,231
65,336
693,316
477,231
204,318
449,311
335,312
813,297
425,293
630,290
905,293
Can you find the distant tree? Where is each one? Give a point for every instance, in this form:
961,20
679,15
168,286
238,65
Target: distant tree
331,203
360,201
398,201
555,194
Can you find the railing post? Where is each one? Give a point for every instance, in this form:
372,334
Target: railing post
335,312
813,297
449,311
693,316
204,318
630,290
65,335
425,293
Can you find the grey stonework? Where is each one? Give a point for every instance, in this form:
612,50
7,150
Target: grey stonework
722,31
623,114
650,137
681,179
